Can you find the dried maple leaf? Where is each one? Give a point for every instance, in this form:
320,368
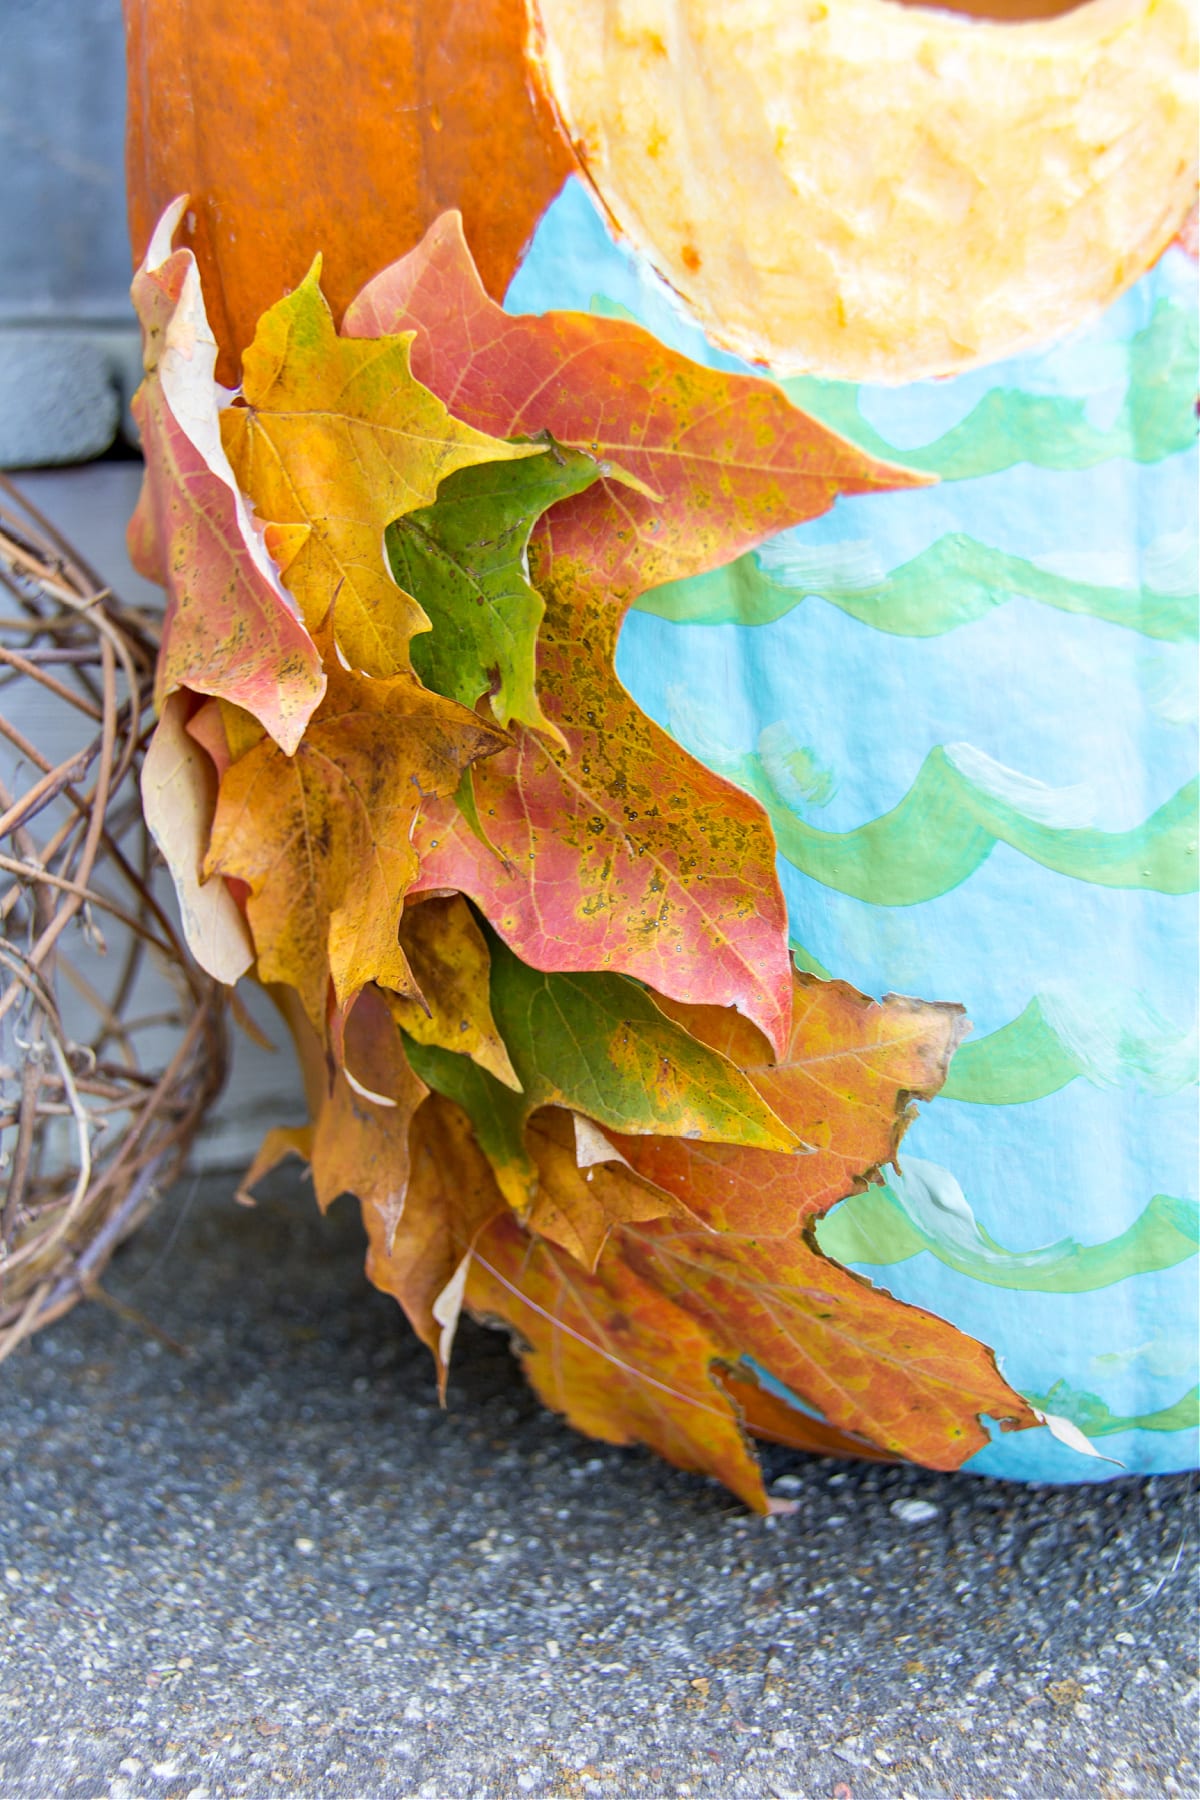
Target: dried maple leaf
905,1380
844,1085
909,1382
576,1207
229,629
323,839
335,439
599,1045
659,1286
467,558
179,797
422,1261
624,854
738,1266
617,850
448,956
612,1353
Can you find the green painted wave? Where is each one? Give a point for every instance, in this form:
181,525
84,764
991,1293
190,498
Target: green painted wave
954,582
1010,425
925,1209
1109,1037
808,964
1094,1419
948,824
961,805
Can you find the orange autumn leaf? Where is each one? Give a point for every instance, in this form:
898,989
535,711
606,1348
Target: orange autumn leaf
648,1310
576,1207
906,1380
611,1353
451,1194
323,839
659,1343
737,1265
229,627
844,1085
612,848
360,1134
333,440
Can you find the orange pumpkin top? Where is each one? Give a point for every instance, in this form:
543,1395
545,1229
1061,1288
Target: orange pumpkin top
296,126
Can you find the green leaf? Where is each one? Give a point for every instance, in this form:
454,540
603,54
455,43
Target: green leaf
496,1112
614,1056
598,1044
465,557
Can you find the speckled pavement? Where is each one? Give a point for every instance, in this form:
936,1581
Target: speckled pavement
271,1566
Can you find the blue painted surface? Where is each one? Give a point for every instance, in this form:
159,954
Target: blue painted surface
1102,717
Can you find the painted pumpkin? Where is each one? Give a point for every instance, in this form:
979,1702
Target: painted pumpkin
969,708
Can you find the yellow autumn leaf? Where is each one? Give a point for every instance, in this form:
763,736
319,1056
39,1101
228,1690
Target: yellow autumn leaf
334,439
450,963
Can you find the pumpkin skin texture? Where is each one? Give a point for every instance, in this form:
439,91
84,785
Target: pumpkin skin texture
872,192
296,125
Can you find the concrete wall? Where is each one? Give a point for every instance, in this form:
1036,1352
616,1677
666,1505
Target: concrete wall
68,344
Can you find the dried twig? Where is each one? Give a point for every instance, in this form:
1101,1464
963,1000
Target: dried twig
90,1130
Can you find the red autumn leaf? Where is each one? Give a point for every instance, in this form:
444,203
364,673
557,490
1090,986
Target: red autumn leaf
229,628
625,854
729,458
614,849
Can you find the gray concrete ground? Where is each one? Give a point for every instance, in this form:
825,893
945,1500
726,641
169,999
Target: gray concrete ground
271,1566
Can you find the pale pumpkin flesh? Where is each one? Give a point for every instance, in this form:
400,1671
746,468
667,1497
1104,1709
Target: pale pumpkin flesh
878,192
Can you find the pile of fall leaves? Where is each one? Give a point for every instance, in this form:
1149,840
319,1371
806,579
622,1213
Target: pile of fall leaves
534,956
